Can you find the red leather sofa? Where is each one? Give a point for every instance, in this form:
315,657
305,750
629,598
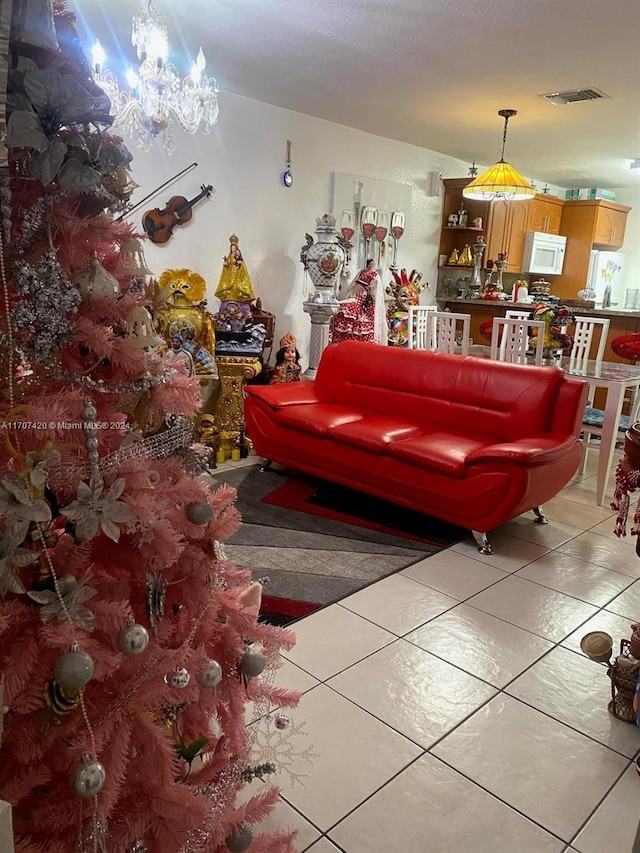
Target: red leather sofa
469,440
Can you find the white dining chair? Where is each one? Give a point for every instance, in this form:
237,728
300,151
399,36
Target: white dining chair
510,340
513,314
448,331
417,326
584,347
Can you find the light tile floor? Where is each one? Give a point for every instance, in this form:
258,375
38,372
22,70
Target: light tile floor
451,709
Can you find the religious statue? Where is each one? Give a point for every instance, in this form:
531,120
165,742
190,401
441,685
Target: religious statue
178,358
186,315
235,284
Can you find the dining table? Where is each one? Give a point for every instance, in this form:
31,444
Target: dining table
616,378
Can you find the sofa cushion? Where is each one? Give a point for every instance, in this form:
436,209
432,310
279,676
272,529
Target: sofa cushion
374,433
316,418
448,392
441,451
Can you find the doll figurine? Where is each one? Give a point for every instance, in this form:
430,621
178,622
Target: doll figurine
287,367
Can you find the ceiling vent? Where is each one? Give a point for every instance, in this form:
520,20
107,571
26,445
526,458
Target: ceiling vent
574,96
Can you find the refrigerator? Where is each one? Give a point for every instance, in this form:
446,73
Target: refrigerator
606,279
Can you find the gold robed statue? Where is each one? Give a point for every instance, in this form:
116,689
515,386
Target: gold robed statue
235,284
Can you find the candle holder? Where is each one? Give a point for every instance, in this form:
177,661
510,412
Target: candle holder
478,249
500,265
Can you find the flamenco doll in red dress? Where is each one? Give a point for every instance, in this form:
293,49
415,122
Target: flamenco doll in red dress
362,316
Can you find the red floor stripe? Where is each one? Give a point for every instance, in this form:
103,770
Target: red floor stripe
295,494
287,607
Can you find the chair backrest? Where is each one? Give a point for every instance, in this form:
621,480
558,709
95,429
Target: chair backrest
510,340
448,332
583,348
417,326
516,315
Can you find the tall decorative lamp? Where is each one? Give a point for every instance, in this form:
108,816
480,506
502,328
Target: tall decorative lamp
501,181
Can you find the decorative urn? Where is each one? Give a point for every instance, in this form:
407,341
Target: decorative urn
323,260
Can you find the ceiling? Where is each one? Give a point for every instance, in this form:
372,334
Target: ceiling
433,73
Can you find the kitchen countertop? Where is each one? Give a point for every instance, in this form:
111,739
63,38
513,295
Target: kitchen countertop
523,306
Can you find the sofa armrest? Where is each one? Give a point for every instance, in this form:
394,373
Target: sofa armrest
285,394
532,450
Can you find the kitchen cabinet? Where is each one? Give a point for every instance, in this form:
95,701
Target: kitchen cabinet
503,225
505,232
456,237
588,224
545,214
609,228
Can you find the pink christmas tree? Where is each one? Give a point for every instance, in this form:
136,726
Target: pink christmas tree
129,645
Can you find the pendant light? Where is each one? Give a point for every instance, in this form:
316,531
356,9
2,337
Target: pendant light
501,181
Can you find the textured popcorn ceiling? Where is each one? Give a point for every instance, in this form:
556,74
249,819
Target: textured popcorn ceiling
433,73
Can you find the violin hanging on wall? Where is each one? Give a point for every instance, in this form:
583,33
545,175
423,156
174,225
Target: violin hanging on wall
159,223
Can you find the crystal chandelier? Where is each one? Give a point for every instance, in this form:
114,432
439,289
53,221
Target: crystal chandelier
156,91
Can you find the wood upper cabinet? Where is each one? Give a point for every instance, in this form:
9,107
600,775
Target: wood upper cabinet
586,225
545,213
506,230
609,227
456,237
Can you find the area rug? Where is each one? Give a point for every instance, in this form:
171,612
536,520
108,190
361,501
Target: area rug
312,542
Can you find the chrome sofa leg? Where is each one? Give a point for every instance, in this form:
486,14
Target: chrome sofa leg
482,542
541,518
266,464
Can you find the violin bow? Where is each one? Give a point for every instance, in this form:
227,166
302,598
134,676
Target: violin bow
155,192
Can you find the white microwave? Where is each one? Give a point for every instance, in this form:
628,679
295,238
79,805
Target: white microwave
543,253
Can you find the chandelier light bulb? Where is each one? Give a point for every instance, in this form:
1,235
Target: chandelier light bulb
98,56
132,78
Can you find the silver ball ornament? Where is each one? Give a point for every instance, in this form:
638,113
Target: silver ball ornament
210,676
252,663
282,722
179,679
241,839
133,639
73,669
199,513
88,777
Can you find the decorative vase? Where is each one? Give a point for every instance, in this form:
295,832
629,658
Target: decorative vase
323,260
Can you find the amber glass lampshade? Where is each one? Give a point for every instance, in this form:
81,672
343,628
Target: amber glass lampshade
501,181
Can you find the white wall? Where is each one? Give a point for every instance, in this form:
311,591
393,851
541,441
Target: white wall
244,158
631,248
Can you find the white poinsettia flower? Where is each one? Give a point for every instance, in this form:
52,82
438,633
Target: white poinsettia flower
37,463
19,507
59,98
69,605
25,131
96,509
75,175
11,557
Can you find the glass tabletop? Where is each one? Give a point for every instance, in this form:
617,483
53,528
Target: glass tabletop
608,371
